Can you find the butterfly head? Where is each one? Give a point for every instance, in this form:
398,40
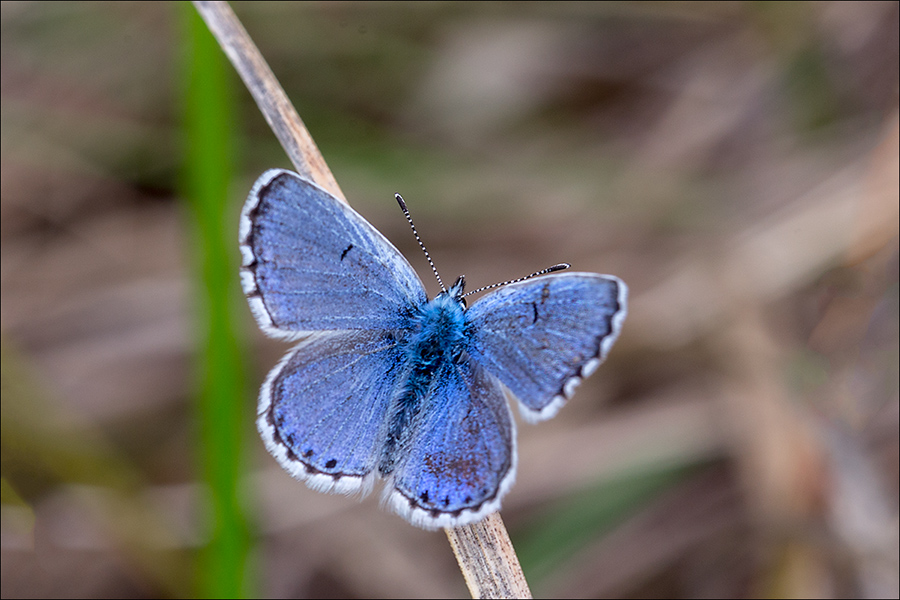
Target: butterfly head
449,302
456,290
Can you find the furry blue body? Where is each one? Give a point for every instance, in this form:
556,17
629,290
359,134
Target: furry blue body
436,339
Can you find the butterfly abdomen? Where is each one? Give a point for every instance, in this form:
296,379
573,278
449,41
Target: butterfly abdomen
437,336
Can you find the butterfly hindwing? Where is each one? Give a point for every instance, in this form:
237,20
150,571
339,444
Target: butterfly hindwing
322,411
542,336
460,455
311,263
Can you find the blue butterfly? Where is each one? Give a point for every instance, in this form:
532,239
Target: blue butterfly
385,381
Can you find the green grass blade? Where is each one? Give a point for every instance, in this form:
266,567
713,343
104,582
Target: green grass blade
221,410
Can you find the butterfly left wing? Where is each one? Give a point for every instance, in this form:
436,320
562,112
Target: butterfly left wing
323,409
459,455
542,336
312,263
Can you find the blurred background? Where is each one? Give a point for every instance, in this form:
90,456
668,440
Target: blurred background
735,163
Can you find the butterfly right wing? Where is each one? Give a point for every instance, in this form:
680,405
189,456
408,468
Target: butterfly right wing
311,263
459,456
542,336
322,410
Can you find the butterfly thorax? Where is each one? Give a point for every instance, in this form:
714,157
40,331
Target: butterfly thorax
436,338
438,330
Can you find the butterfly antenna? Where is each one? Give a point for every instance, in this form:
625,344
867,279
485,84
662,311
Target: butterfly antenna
418,239
559,267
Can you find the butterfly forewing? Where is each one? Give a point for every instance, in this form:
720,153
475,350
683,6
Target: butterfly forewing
541,337
311,263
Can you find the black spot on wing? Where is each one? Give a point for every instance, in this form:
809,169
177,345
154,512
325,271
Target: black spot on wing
287,442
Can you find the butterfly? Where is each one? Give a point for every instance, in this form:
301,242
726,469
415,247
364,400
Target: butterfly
385,381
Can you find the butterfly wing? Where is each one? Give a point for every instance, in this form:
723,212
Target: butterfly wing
322,410
460,456
311,263
542,336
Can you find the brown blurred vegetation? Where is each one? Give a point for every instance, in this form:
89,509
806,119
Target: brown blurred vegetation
735,163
